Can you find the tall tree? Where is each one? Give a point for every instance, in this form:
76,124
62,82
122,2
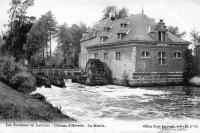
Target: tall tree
112,10
175,30
64,39
76,32
40,36
49,25
122,13
35,41
18,9
195,35
108,10
19,25
68,39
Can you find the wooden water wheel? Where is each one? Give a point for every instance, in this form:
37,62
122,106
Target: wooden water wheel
95,72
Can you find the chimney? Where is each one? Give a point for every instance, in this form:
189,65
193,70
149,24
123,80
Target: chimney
161,24
112,15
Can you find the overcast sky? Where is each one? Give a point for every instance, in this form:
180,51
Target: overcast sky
181,13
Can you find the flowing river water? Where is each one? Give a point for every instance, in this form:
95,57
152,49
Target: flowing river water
124,106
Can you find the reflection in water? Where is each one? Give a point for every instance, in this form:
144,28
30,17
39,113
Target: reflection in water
97,102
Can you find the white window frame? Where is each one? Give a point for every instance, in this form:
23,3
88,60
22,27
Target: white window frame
107,29
123,25
103,38
119,36
176,56
161,36
96,55
118,55
162,58
105,56
145,54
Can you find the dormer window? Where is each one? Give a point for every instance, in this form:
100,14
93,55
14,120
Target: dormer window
103,38
123,25
121,36
91,34
106,29
122,32
161,36
161,28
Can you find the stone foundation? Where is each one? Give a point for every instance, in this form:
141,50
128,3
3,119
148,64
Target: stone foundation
153,79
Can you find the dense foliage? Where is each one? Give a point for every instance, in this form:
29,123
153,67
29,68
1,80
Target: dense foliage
16,75
68,39
18,27
175,31
117,13
40,36
195,36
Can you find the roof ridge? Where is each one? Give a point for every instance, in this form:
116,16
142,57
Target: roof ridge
138,28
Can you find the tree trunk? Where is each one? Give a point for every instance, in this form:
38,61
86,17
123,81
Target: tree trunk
50,44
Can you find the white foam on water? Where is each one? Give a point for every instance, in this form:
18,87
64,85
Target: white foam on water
119,91
87,104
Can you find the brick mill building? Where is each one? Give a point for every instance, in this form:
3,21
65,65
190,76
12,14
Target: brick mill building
135,47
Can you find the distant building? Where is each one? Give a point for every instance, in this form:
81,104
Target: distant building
135,47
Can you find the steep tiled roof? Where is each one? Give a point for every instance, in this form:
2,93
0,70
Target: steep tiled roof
123,30
107,34
140,28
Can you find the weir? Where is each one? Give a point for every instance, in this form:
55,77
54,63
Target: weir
57,73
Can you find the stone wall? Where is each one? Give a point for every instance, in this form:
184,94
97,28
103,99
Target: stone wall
125,65
83,56
131,61
151,64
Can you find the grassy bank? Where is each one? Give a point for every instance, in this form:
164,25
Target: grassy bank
17,106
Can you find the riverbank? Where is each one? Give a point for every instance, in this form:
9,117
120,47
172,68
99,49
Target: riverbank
17,106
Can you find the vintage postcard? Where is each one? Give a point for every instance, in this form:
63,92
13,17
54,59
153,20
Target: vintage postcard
99,66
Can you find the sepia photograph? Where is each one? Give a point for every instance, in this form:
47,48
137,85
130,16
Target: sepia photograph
99,66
